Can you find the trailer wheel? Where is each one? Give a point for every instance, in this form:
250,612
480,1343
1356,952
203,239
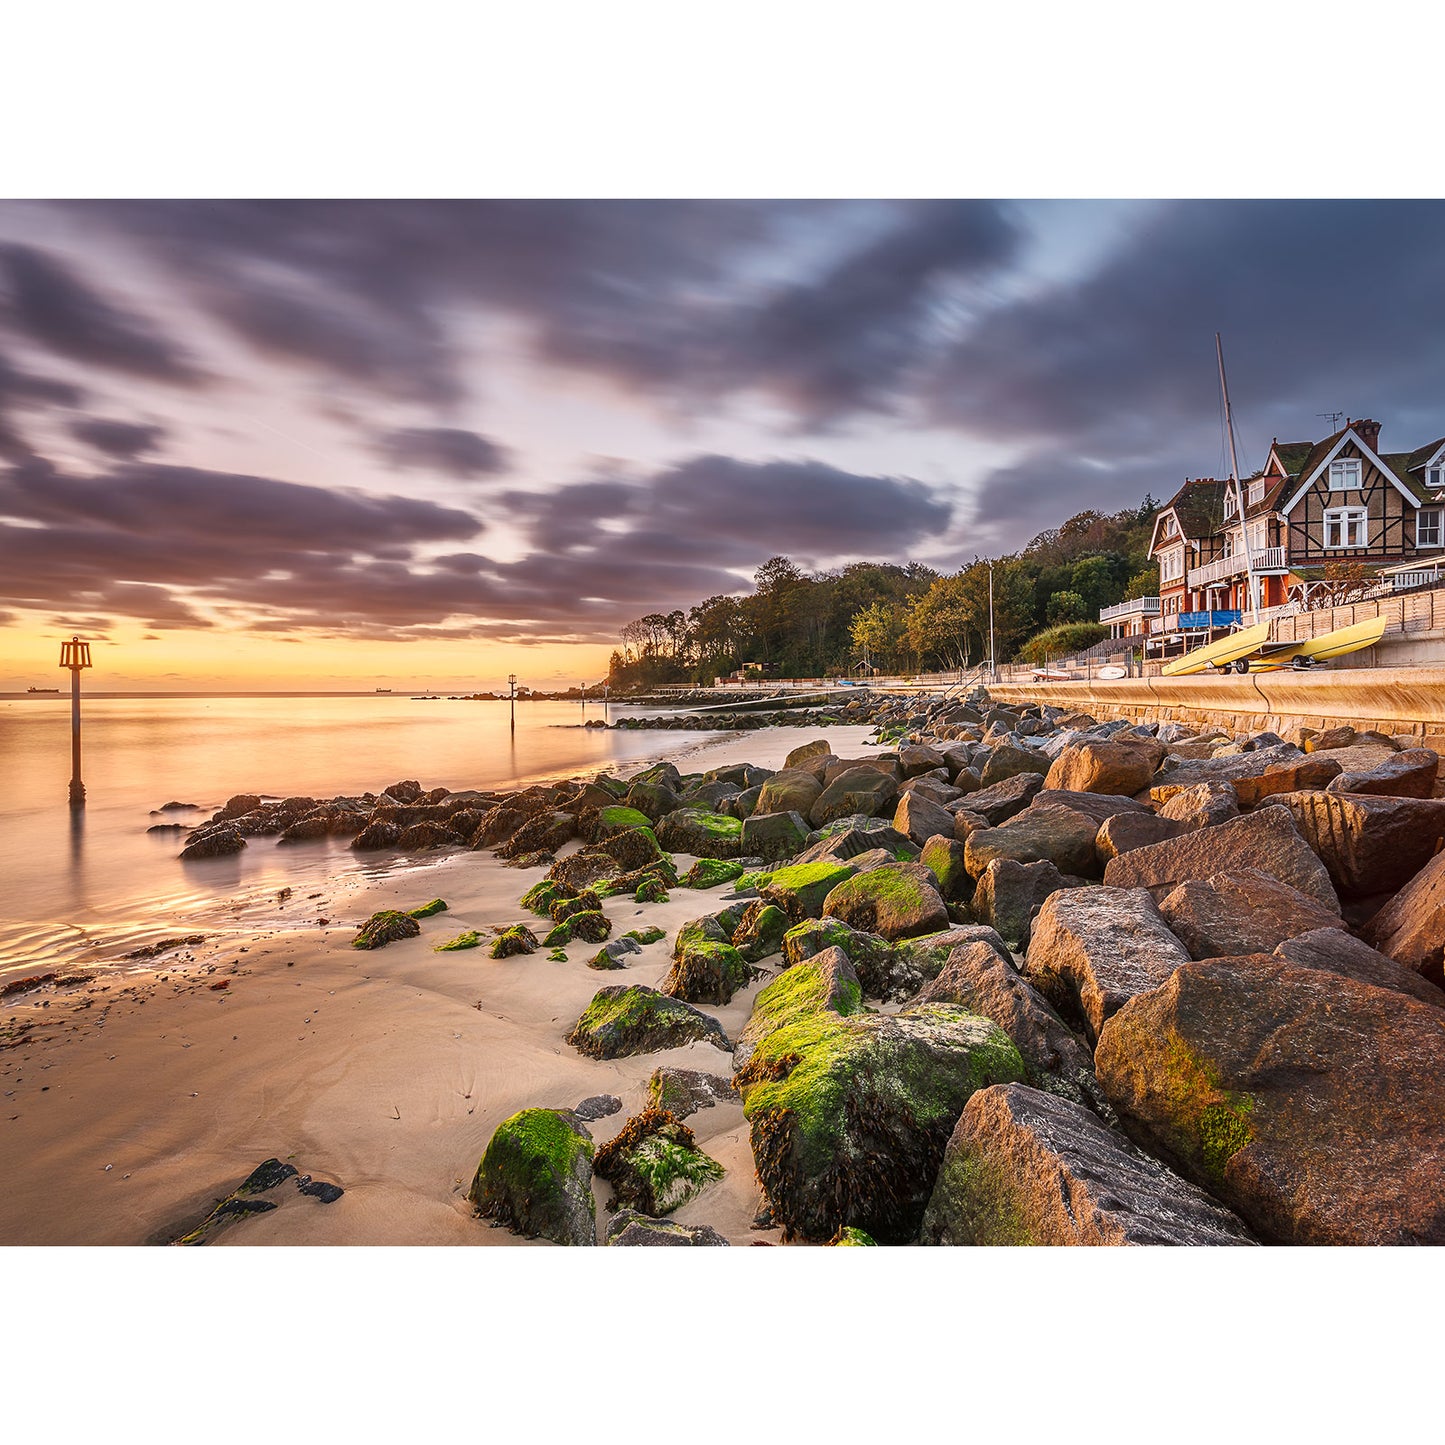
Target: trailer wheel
1303,664
1241,664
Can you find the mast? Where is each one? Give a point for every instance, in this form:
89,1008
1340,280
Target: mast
1238,490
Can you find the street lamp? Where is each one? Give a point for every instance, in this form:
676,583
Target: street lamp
75,655
992,656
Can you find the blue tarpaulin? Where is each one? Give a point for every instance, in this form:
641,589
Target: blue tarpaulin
1193,621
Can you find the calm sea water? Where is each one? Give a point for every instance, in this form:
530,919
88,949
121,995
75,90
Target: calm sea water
84,886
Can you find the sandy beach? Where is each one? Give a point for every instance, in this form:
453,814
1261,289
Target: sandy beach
133,1102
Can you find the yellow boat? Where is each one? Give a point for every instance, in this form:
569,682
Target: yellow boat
1220,654
1233,653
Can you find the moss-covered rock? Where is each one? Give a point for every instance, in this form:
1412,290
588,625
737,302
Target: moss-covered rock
545,832
651,890
562,909
559,936
621,1021
632,848
647,935
514,940
898,900
536,1177
774,837
385,927
631,1227
540,897
850,1111
711,873
614,954
700,833
654,1164
801,889
871,956
854,1237
618,819
437,905
557,955
706,968
591,926
760,931
469,939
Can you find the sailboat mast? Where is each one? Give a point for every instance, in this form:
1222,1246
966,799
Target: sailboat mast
1238,489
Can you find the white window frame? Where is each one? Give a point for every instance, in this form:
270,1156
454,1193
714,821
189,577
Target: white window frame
1171,565
1350,526
1229,502
1427,520
1346,474
1435,475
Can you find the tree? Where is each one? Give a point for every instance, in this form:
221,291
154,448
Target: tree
1066,607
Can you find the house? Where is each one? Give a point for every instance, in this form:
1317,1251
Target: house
1312,504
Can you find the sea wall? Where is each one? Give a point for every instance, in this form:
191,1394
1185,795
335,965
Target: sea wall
1394,701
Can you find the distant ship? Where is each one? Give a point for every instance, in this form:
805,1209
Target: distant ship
42,689
383,689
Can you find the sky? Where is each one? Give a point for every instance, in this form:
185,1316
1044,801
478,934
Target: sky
355,444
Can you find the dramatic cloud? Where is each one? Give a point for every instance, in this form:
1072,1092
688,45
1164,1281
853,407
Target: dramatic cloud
121,439
455,453
47,302
23,390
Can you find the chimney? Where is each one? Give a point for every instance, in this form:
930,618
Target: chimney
1369,433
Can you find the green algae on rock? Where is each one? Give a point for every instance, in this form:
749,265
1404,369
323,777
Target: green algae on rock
700,833
684,1091
540,897
536,1177
711,873
705,969
897,900
633,1019
654,1164
760,931
514,940
556,956
651,890
469,939
562,909
848,1236
437,905
801,888
650,934
619,819
386,927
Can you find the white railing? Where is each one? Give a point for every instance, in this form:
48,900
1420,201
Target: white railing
1266,559
1403,581
1134,607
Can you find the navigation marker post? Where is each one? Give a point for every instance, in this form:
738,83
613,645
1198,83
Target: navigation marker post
512,683
75,655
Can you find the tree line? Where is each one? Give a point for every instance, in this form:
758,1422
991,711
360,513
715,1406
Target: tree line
892,618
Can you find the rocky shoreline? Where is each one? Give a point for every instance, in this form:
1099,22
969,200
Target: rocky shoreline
1014,976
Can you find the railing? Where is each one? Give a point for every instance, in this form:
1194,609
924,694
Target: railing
1135,607
1266,559
1408,581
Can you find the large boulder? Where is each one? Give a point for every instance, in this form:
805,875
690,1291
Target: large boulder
761,931
1408,774
536,1177
1003,799
684,1091
701,833
945,857
1298,776
979,978
871,957
915,759
1125,832
919,819
818,748
1008,761
1093,949
213,843
1009,894
653,800
850,1111
1308,1102
1242,911
1179,772
897,900
789,792
1266,840
860,789
1410,928
773,836
638,1020
1202,805
823,982
1106,767
844,838
1370,843
1025,1167
1333,951
1061,835
629,1227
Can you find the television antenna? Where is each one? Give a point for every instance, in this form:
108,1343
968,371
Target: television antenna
1333,417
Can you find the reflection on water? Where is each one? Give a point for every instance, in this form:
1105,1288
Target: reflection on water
81,883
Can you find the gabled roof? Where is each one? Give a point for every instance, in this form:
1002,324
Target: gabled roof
1198,506
1325,452
1410,468
1292,455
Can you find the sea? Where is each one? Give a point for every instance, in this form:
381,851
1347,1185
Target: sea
82,887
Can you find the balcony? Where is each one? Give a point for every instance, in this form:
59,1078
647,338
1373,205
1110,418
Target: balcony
1135,607
1267,561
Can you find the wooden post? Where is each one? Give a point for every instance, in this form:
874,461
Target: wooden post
75,655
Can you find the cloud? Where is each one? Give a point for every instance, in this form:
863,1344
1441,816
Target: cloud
122,439
825,308
24,390
456,453
46,301
177,546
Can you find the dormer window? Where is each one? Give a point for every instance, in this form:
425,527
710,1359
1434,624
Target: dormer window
1345,474
1435,475
1229,504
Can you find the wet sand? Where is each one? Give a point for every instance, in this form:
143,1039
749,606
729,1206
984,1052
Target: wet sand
133,1102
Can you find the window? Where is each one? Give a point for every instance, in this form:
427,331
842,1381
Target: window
1427,527
1229,502
1257,536
1171,565
1345,474
1346,527
1435,475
